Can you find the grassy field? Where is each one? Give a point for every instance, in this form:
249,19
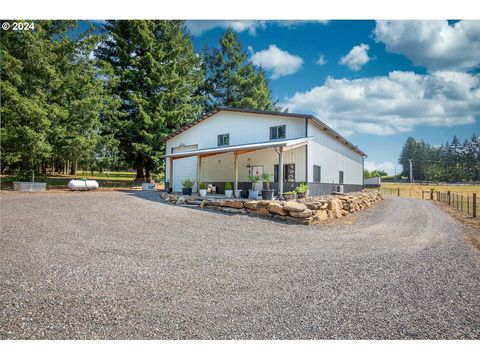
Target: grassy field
460,198
415,190
111,180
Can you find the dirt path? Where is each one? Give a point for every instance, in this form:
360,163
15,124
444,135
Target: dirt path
124,265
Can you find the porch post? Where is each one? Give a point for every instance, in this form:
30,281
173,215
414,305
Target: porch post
199,172
170,175
235,161
280,171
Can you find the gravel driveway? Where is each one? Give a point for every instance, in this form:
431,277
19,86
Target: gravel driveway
118,265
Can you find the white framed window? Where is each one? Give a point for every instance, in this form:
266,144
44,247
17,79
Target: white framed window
223,139
278,132
317,173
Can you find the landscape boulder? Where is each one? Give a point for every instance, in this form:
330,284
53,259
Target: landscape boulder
293,206
276,208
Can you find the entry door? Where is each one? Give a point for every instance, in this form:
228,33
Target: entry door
258,170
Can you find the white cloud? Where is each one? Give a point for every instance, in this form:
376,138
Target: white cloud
434,44
278,61
399,102
321,60
387,166
356,58
198,27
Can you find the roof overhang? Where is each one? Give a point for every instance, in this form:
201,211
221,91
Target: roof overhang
284,144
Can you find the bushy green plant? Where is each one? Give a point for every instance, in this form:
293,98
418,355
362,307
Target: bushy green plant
187,183
254,179
228,186
290,192
266,179
302,188
202,186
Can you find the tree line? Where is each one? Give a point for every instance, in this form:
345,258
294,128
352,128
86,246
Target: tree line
455,161
108,97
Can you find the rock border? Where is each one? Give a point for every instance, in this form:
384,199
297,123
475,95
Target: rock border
310,210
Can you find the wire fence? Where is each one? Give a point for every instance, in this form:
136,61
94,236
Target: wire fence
462,201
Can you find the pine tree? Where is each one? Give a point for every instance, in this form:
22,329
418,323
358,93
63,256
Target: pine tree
154,72
29,76
231,80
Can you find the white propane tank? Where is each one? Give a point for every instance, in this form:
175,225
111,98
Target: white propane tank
82,185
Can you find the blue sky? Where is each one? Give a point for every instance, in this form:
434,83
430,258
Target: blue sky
377,83
396,79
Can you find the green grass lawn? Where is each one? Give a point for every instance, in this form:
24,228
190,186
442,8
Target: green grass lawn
105,180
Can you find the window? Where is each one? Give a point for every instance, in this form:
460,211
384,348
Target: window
340,177
278,132
316,173
223,139
288,173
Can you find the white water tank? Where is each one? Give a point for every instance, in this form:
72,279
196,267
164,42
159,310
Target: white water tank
82,185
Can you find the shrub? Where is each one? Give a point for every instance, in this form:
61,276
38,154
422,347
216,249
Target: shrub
202,186
290,192
254,179
302,188
228,186
266,179
187,183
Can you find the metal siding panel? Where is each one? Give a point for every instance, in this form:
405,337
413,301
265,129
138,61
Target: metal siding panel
185,168
333,157
243,129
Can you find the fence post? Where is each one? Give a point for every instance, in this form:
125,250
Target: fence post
461,202
474,211
422,195
468,203
398,191
448,197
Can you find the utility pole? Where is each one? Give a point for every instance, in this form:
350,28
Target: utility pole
411,173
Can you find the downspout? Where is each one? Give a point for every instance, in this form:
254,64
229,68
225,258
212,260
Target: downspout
280,171
306,151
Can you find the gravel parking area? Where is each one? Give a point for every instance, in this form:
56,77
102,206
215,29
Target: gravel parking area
119,265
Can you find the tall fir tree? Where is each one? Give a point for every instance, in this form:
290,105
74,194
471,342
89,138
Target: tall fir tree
154,72
51,97
233,81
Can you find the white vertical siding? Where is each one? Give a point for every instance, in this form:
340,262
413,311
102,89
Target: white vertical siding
332,156
243,128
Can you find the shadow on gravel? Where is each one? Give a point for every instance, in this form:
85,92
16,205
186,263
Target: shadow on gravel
155,197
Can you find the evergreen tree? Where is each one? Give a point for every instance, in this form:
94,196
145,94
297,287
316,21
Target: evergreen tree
154,72
231,80
51,98
453,162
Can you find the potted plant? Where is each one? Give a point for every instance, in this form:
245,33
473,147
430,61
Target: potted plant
238,193
253,193
228,190
290,195
187,186
302,190
202,189
267,194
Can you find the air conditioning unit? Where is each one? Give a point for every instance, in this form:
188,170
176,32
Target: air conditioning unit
340,188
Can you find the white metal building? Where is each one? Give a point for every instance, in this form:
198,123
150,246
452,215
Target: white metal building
226,145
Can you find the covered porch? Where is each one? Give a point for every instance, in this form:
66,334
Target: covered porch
286,159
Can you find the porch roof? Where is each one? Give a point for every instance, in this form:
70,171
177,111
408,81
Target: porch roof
286,143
